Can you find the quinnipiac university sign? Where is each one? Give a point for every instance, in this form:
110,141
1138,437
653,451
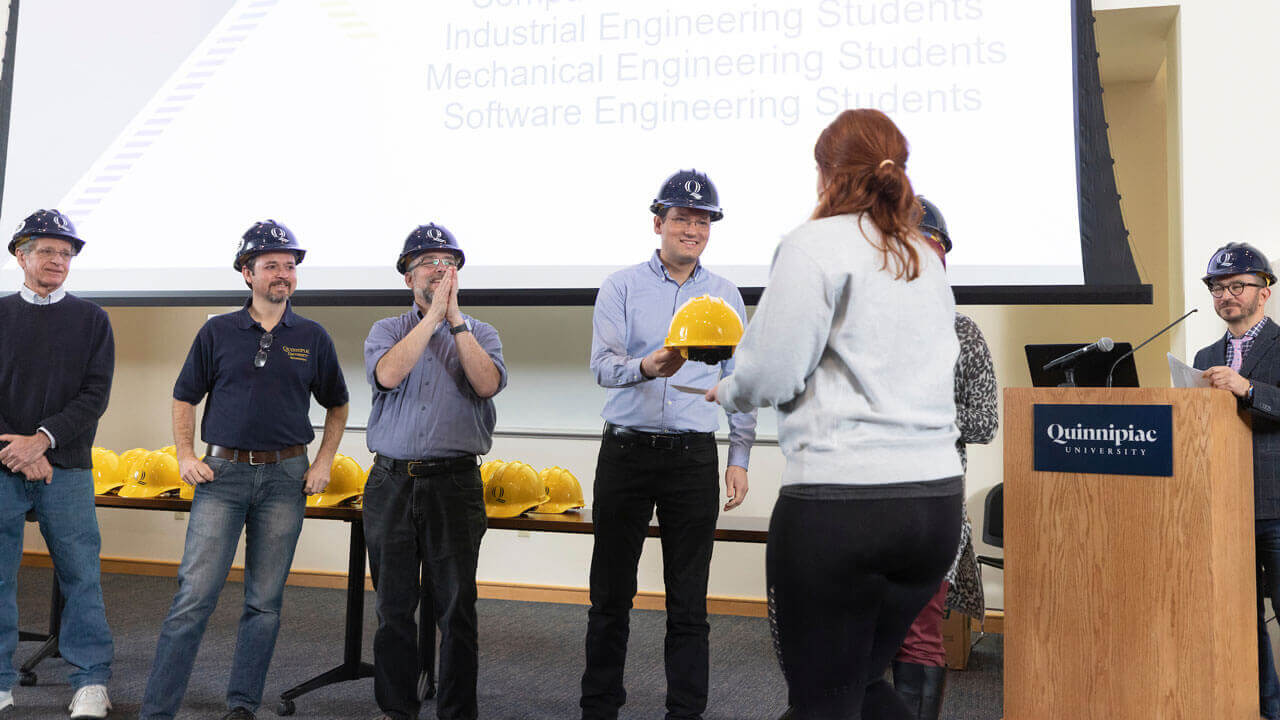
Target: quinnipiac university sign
1104,439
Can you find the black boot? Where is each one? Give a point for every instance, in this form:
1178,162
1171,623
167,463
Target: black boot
921,688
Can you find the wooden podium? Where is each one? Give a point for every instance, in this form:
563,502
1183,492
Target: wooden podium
1131,596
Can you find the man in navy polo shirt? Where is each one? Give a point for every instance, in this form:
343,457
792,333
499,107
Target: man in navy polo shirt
434,373
659,449
57,357
257,367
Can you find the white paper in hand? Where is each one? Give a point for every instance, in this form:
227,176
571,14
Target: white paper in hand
1183,375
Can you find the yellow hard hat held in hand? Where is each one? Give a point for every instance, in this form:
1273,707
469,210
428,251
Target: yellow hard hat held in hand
705,329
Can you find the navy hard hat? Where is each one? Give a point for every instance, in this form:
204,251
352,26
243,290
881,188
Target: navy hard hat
690,189
428,237
267,236
932,222
46,223
1237,258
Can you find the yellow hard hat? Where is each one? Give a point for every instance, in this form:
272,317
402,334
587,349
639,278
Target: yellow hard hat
564,489
513,489
128,459
705,329
170,450
106,472
346,482
155,475
488,468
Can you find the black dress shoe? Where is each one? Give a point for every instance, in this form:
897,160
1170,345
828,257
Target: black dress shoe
239,714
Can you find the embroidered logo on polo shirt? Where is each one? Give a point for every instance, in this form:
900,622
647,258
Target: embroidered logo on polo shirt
297,353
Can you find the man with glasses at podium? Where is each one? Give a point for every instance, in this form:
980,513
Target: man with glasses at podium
1246,362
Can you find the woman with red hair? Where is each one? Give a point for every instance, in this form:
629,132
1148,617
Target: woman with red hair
853,343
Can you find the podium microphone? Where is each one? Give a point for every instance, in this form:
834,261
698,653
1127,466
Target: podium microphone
1102,345
1153,337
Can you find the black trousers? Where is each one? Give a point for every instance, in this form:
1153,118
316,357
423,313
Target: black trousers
683,483
431,525
846,579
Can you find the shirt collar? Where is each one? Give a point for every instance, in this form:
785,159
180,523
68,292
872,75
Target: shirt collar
1252,332
30,295
655,264
244,320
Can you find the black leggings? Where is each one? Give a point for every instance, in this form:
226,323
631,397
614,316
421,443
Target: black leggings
846,578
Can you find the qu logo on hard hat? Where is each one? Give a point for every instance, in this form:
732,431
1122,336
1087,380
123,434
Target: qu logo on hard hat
693,187
21,225
60,221
277,232
435,234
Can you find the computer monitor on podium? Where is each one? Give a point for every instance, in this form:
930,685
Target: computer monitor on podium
1090,370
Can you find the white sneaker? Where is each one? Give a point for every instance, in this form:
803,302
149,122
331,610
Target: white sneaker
90,702
6,701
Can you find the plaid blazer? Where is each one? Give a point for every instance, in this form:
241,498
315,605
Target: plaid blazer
1262,367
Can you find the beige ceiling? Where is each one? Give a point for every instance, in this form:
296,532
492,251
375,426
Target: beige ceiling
1131,42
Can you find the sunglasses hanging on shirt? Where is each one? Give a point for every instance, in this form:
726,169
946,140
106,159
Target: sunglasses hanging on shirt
264,343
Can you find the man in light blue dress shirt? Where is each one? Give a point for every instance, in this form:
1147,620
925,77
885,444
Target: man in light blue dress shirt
659,450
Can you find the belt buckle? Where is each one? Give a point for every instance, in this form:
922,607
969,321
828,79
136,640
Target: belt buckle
251,461
409,467
663,442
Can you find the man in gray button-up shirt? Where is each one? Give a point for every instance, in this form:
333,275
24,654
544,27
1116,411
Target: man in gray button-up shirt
434,372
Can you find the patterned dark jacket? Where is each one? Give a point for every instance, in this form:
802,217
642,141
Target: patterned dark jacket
1261,366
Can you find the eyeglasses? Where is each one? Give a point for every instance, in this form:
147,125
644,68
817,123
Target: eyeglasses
1236,288
48,253
434,263
264,343
681,223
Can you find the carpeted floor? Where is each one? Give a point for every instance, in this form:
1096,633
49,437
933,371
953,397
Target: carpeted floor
530,659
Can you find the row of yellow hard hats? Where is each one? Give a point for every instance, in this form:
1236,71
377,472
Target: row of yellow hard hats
140,473
512,488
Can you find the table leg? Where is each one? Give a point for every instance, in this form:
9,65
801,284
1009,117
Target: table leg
351,668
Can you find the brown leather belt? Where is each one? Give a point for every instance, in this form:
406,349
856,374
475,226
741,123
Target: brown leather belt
255,457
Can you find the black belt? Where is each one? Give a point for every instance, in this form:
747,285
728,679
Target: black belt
658,441
254,457
422,468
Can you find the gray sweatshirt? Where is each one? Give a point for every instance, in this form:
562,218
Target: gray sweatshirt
859,365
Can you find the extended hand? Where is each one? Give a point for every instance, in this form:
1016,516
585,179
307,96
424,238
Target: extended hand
735,486
663,362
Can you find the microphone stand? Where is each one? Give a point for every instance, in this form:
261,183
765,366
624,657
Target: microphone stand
1153,337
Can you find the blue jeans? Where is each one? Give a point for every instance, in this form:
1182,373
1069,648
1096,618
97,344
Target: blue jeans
70,528
268,502
1267,544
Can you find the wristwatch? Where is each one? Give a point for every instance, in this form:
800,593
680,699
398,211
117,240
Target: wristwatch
459,328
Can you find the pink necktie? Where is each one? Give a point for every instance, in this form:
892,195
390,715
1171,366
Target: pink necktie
1237,356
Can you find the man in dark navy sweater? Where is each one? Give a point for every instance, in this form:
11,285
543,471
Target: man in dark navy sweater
256,369
56,361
